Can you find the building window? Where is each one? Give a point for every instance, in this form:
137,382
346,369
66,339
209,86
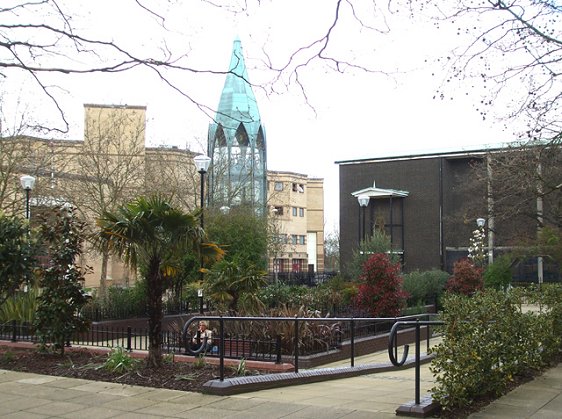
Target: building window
301,212
278,210
298,187
278,186
302,239
280,265
294,211
298,265
294,239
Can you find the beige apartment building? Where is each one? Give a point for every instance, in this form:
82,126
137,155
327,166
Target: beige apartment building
109,167
112,165
296,207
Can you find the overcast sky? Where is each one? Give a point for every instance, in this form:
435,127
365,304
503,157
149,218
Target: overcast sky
349,115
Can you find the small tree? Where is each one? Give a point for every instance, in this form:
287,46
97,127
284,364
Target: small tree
466,279
332,251
380,291
425,287
237,283
150,235
61,297
498,274
17,252
242,233
379,242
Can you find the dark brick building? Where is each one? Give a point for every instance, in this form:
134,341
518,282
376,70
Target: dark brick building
428,205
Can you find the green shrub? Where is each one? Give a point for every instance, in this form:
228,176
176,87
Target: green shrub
119,302
20,307
278,295
240,370
548,298
487,340
61,298
498,274
379,242
200,361
424,287
120,361
18,249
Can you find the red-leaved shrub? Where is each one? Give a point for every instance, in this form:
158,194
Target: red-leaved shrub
466,279
380,290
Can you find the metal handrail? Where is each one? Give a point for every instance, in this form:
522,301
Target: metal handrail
221,319
393,347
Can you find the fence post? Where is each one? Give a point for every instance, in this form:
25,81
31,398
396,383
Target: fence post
428,332
221,348
278,349
418,361
296,343
129,332
395,341
352,342
14,331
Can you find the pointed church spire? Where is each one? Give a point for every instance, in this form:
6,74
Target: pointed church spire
237,103
236,142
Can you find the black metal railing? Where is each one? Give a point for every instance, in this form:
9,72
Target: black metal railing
297,324
136,339
310,279
96,312
393,347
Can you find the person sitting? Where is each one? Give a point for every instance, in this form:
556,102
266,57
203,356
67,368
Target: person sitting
199,337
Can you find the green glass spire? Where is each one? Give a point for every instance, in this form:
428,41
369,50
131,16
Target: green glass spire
236,142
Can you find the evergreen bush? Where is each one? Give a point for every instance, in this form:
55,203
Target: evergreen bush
379,242
487,341
62,297
498,274
425,287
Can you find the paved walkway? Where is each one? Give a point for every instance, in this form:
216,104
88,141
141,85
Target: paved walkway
537,399
24,395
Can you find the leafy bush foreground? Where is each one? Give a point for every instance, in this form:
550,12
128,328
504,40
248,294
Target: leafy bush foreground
488,340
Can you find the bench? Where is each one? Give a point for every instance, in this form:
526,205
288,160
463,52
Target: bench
233,348
236,348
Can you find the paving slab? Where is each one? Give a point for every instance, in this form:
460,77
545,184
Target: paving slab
367,396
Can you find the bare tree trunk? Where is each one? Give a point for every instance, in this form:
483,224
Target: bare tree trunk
154,359
103,276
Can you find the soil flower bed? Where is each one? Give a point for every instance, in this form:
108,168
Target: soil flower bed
88,364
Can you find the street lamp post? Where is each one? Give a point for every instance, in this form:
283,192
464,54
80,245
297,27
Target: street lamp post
200,295
363,203
202,163
27,183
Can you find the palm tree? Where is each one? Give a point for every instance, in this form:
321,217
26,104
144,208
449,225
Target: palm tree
148,233
236,283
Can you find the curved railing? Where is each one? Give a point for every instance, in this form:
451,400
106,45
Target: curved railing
393,347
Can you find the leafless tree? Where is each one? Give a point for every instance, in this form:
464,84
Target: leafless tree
332,251
107,169
42,39
510,50
22,154
171,173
